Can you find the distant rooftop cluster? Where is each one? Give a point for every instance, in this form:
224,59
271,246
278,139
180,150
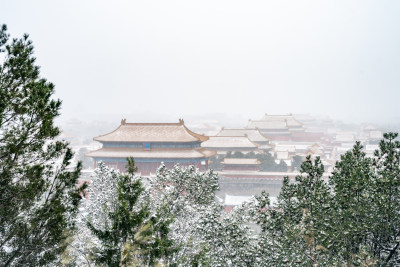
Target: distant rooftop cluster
240,153
282,136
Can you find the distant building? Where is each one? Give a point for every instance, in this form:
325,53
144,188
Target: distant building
150,144
240,164
254,135
224,144
373,135
277,127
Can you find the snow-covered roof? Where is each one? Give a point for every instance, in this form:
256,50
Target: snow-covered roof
267,125
231,200
304,118
345,137
125,152
287,148
253,134
228,141
282,155
240,161
289,120
265,147
151,132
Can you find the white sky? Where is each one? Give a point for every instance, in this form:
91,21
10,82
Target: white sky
336,58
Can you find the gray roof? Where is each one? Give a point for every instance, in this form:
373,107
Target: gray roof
275,122
253,134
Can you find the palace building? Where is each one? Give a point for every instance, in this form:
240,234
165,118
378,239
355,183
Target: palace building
150,144
240,164
254,136
277,127
224,144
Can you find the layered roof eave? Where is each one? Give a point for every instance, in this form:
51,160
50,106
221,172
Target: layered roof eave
151,132
113,152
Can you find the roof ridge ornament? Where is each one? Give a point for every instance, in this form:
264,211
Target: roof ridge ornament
181,121
123,121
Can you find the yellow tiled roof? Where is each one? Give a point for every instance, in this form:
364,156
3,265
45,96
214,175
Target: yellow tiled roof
151,132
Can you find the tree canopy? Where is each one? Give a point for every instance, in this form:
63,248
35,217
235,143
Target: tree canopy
39,196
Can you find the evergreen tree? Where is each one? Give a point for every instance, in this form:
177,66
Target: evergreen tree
364,222
385,208
296,162
184,194
202,233
102,196
268,163
39,197
291,229
122,219
129,232
282,166
350,218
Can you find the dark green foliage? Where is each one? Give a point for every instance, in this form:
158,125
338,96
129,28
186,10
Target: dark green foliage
39,197
296,162
386,201
350,209
365,217
351,220
125,220
267,161
290,231
215,162
282,166
133,235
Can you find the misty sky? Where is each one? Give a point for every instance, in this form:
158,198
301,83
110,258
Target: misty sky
336,58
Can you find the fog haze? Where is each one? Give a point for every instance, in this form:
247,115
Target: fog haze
240,58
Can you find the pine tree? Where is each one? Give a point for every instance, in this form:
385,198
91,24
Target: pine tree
385,235
128,231
183,194
102,198
350,219
39,197
122,219
291,230
364,219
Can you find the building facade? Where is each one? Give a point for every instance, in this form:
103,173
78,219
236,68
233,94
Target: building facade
240,164
224,144
151,144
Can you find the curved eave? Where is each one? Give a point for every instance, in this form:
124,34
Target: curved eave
152,132
110,152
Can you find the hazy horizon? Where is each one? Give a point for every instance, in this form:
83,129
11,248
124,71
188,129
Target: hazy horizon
184,59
